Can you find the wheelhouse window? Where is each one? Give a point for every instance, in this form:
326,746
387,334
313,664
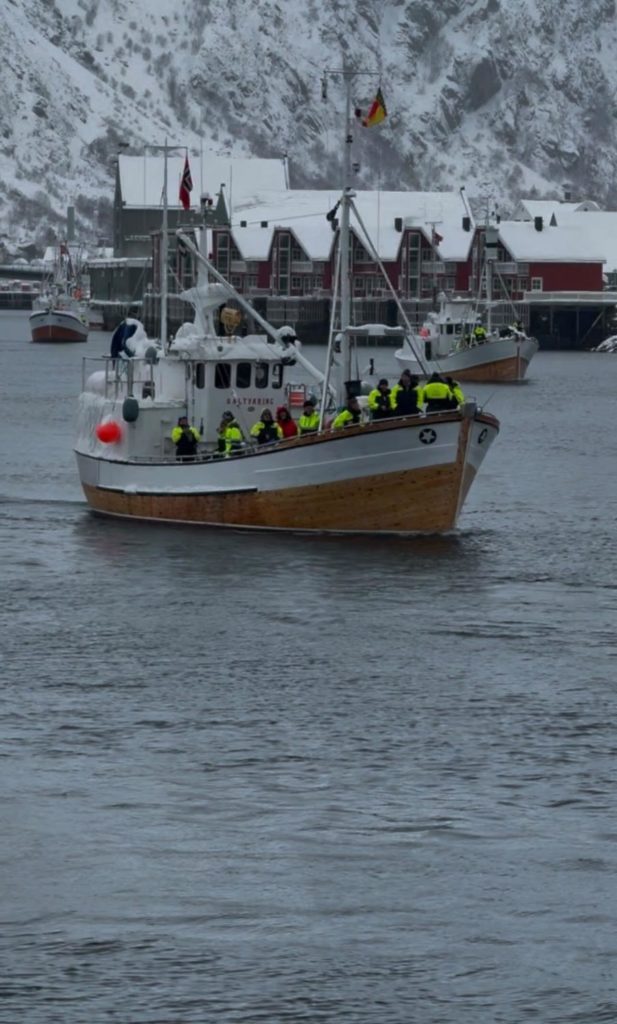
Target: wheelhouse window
222,375
277,375
243,375
200,375
261,375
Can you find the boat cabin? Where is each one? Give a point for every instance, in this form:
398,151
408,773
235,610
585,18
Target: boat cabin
199,377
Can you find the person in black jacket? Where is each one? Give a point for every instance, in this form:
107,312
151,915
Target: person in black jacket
406,396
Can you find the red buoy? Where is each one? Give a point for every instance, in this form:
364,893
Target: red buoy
109,432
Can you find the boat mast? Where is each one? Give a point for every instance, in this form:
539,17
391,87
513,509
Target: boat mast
343,262
490,255
164,254
344,247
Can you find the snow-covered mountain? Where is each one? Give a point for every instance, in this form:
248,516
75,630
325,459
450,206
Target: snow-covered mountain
508,97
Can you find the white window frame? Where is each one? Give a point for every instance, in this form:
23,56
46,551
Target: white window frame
536,284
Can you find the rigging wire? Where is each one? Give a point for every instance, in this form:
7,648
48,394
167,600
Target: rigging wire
330,350
411,333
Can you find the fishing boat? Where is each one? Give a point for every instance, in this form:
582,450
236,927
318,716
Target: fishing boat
59,313
461,341
400,475
450,346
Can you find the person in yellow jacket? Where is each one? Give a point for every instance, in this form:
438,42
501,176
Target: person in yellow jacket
437,394
350,415
186,439
379,400
479,334
456,390
266,430
309,420
230,438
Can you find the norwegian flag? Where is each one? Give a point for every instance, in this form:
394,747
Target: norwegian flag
186,185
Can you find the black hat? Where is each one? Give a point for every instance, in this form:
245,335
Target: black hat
228,415
382,381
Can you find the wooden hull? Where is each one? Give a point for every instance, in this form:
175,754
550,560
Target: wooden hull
55,326
500,361
505,371
393,503
384,496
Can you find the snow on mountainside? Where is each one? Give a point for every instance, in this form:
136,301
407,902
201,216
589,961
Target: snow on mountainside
507,97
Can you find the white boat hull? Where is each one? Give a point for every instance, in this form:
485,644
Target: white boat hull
54,325
396,476
500,360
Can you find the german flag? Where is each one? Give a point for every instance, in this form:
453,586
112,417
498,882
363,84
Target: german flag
377,111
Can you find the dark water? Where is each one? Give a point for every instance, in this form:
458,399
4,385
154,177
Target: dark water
279,779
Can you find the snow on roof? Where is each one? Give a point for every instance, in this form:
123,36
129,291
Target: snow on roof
304,213
223,349
527,209
141,178
600,228
571,242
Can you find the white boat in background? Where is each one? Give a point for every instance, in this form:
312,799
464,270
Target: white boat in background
450,344
399,475
59,313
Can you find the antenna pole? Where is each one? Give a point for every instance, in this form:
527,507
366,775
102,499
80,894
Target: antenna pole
164,253
344,248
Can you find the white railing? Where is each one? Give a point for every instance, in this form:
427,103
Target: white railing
581,298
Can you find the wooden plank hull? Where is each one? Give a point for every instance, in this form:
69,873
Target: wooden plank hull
505,371
406,479
502,361
425,501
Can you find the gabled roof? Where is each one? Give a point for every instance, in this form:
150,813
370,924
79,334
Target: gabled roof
141,178
565,243
303,212
527,209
